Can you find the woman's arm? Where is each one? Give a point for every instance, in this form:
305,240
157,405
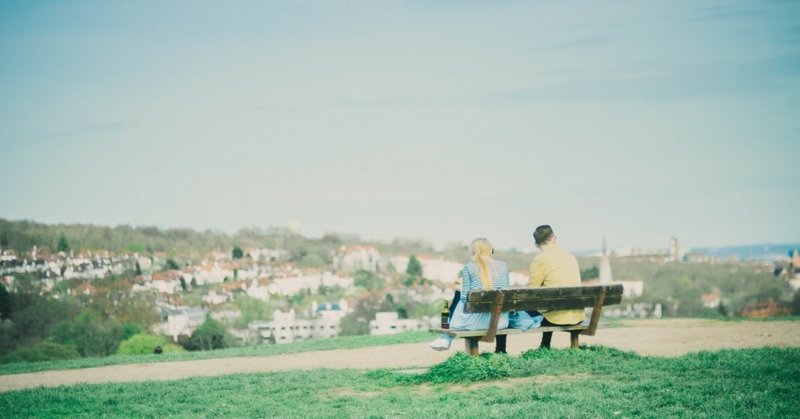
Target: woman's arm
466,284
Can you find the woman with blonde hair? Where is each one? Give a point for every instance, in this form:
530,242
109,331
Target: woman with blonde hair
483,272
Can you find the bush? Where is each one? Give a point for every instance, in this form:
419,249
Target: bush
210,335
145,344
45,351
90,334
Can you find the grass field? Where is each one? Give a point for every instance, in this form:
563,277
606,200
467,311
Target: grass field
342,342
593,382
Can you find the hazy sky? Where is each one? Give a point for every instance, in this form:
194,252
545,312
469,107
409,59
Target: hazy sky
629,120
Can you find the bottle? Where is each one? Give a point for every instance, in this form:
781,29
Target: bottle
445,316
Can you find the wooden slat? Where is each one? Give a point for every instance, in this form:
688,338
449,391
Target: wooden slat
495,319
574,291
557,298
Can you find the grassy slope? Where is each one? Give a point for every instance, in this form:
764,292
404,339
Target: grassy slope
593,382
342,342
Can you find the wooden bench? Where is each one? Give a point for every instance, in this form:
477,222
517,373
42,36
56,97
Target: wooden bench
528,299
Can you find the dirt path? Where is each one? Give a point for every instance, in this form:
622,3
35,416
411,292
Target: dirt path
646,337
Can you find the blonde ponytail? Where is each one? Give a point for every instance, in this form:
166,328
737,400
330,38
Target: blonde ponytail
481,252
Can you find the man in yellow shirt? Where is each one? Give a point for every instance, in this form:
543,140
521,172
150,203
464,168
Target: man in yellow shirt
554,267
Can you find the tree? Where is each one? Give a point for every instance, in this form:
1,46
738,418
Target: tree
795,306
357,322
130,329
63,244
171,265
311,260
210,335
237,252
90,334
5,303
414,268
38,319
115,300
369,280
590,273
183,284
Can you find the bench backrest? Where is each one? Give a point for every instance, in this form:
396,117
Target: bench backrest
556,298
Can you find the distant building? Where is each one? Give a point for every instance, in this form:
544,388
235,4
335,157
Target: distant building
181,321
605,266
518,278
630,289
439,269
389,323
399,263
214,298
285,327
711,300
353,258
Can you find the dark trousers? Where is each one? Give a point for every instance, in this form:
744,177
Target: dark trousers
500,340
546,336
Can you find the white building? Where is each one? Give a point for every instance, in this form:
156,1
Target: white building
181,321
400,263
353,258
518,279
213,298
631,288
258,291
286,328
389,323
308,283
440,269
211,273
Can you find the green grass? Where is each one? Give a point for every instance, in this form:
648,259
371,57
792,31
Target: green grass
594,382
342,342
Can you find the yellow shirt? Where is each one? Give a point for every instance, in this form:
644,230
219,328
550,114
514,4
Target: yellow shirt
556,267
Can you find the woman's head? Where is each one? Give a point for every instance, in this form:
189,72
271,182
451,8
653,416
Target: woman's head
543,234
481,252
482,247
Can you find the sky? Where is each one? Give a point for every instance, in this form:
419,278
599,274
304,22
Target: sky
447,120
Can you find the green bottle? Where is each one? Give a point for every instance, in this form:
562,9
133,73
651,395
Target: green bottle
445,316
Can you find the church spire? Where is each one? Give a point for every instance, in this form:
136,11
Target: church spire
605,265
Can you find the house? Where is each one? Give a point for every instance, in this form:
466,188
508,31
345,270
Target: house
332,280
440,269
518,278
180,321
400,263
257,290
214,298
389,323
285,327
710,300
353,258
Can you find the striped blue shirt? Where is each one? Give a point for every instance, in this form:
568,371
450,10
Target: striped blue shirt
471,277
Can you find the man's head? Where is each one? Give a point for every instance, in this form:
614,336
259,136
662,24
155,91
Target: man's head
543,235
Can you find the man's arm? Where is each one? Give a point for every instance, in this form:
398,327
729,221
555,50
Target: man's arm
537,272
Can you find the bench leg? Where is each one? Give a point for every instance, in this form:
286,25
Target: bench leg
573,339
471,346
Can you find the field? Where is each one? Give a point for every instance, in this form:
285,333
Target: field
596,381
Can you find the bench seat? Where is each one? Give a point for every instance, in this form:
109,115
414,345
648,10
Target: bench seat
481,333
